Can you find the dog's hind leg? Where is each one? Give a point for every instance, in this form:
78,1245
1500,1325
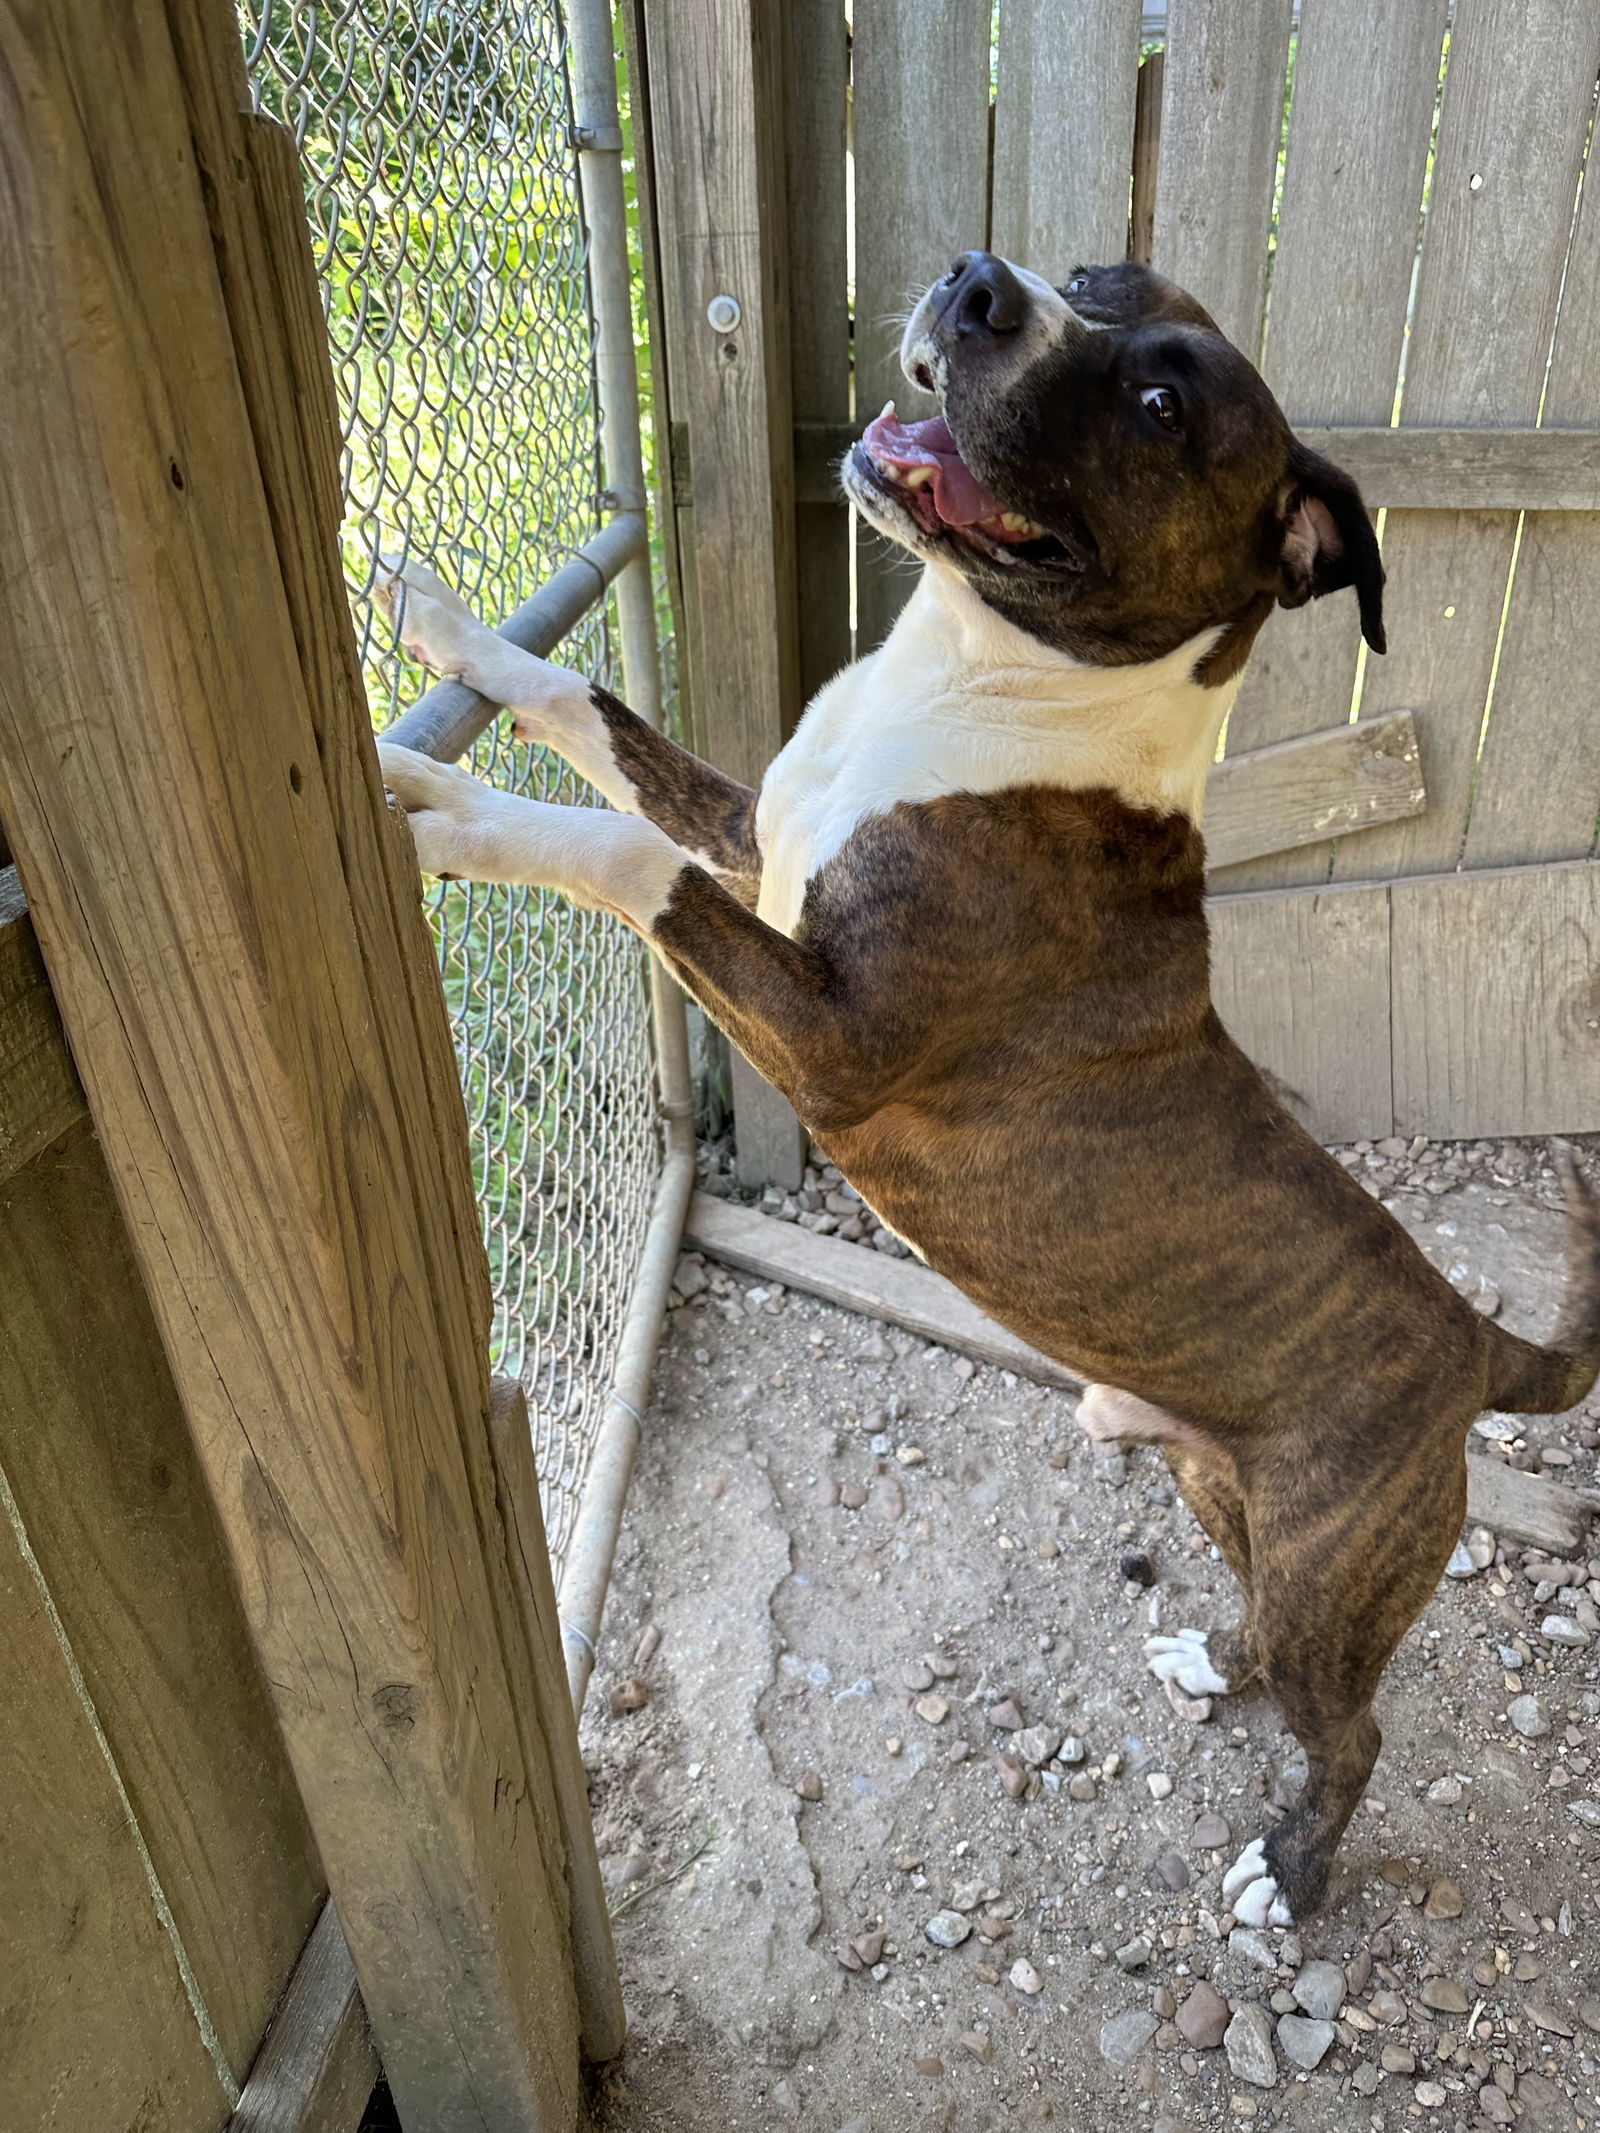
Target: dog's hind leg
1336,1584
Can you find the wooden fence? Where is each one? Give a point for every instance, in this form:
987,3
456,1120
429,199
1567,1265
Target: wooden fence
274,1595
1389,218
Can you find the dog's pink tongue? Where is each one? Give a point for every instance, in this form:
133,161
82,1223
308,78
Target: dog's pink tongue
958,495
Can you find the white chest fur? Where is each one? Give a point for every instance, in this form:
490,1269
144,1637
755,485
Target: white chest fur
958,700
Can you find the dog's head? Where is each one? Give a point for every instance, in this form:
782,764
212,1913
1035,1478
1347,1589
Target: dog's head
1108,470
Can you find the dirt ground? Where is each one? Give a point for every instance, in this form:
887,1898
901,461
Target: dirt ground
856,1571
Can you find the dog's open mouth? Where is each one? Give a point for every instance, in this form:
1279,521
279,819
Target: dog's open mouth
919,465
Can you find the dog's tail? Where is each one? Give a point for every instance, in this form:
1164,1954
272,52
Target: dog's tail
1528,1380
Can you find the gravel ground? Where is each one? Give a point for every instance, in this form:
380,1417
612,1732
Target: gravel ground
902,1833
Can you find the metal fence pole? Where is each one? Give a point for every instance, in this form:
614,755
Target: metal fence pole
592,48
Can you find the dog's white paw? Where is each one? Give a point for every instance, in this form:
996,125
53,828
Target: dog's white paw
1183,1659
1250,1890
435,626
442,802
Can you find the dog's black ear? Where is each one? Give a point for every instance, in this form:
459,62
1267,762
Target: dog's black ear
1328,541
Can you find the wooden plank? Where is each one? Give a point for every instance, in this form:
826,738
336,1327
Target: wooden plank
1298,792
1146,155
528,1564
816,80
1537,794
1364,88
1221,125
1063,133
1415,469
920,122
1324,1035
39,1093
93,1438
715,77
1442,469
1512,124
96,2029
900,1291
316,2067
1524,1507
218,902
1496,1008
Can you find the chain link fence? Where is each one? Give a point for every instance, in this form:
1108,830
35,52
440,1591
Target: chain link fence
442,192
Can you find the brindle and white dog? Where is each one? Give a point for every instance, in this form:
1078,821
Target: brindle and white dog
962,926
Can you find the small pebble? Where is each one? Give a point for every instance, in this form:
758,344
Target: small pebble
1526,1716
1429,2094
947,1929
1319,1990
1025,1977
1444,1996
1204,2016
1133,1954
1395,2059
809,1785
1445,1792
1013,1774
934,1710
1443,1901
933,2068
1210,1834
1160,1785
1005,1716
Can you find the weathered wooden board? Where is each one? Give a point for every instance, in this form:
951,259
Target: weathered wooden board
317,2067
1364,85
1512,125
1537,794
1301,979
1456,1004
1146,155
1415,469
816,76
96,2029
1516,1506
93,1438
716,81
1298,792
1221,125
897,1290
39,1093
920,105
239,961
1496,1001
1063,133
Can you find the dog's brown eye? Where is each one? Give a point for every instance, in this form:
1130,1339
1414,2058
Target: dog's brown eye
1161,402
1077,285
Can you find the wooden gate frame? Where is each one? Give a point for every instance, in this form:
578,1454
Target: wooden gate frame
230,916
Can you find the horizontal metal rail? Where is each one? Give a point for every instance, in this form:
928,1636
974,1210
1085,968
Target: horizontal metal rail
446,720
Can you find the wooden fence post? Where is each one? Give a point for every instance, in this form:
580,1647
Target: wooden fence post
716,123
230,920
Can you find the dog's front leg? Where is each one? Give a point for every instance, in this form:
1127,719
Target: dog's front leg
638,770
779,1002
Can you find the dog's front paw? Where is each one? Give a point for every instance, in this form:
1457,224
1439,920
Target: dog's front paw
435,626
443,804
1184,1659
1250,1889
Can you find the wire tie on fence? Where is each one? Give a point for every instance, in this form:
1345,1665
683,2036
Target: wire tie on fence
582,1637
632,1413
683,1108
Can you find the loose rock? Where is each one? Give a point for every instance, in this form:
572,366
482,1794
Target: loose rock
947,1929
1036,1745
1444,1996
1395,2059
1248,2043
1443,1901
1305,2042
1125,2036
631,1695
1025,1977
1526,1716
933,1709
1005,1716
809,1785
1319,1990
1133,1954
1211,1834
1203,2018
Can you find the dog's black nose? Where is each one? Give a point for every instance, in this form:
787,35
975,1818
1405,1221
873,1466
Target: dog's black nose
980,294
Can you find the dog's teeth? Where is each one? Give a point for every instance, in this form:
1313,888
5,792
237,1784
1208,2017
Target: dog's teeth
888,409
917,477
